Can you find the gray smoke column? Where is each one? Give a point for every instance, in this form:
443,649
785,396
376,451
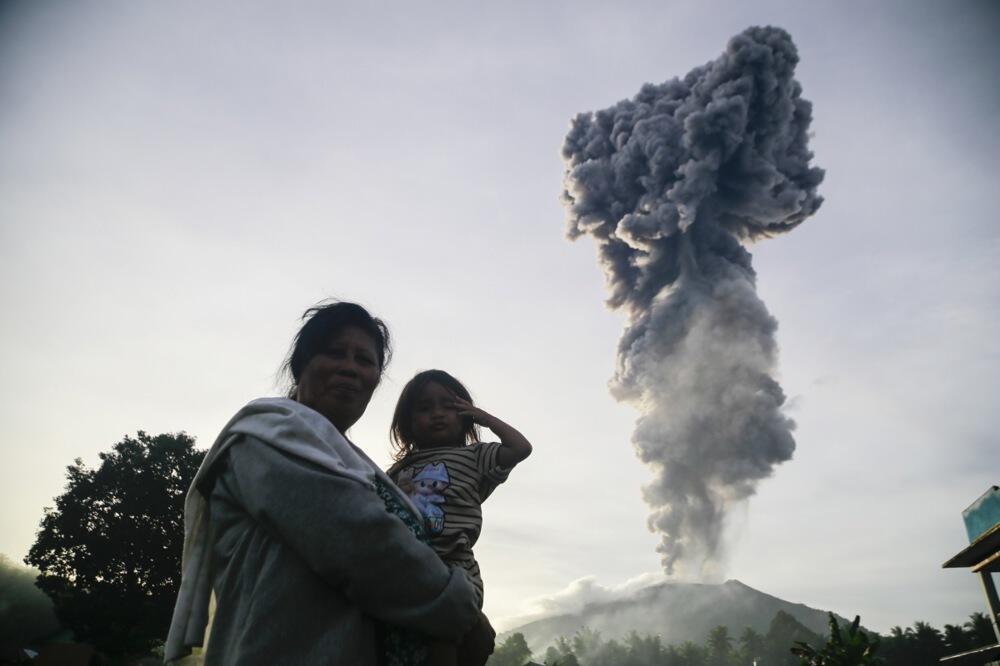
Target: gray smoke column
672,184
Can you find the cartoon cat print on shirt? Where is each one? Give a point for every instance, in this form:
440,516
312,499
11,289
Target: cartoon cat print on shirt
424,487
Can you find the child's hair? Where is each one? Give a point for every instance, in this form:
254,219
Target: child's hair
401,430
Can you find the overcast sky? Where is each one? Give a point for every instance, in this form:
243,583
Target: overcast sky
179,181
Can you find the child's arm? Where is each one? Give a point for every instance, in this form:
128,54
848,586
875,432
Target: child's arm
514,447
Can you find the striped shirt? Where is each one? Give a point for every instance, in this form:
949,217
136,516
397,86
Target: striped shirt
449,485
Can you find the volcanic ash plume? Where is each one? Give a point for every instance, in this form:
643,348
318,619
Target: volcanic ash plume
671,184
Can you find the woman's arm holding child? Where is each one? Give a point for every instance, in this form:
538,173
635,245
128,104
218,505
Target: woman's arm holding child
514,447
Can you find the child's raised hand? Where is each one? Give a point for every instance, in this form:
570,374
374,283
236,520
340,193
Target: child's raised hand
466,408
513,446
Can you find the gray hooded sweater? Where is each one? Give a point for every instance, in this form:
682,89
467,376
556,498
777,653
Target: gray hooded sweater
303,557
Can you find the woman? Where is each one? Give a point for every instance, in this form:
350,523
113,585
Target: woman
310,550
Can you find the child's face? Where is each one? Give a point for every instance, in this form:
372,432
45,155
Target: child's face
435,419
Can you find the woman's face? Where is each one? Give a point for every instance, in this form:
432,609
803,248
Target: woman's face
339,382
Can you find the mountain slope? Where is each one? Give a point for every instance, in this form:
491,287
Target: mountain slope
678,612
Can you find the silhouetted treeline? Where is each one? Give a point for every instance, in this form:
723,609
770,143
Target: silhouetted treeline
918,645
109,552
923,644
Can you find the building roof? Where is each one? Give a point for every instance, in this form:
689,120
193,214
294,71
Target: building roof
983,554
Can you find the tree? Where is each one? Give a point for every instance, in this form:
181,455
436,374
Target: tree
719,646
896,647
611,653
692,654
643,650
956,639
109,553
512,652
554,658
586,641
929,643
751,647
854,648
560,654
847,645
980,630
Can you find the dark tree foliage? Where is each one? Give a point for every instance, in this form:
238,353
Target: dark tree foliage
512,652
845,646
110,551
923,644
720,647
752,648
979,631
851,648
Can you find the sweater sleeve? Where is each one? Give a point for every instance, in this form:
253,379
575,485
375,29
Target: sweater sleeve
342,531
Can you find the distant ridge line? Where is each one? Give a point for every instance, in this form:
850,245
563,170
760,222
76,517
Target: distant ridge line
676,611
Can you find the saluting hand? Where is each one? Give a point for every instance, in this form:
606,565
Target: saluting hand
478,416
514,447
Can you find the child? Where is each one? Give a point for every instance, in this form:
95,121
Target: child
448,472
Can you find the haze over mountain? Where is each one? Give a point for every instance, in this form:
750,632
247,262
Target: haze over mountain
677,612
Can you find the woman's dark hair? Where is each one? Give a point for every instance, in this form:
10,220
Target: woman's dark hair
401,430
325,321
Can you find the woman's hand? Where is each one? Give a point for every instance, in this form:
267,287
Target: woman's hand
477,645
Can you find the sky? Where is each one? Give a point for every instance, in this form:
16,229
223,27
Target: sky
180,181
